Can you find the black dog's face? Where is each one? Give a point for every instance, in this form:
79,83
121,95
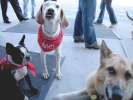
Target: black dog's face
18,54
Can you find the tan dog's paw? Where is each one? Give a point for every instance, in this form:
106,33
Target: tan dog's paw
59,76
46,75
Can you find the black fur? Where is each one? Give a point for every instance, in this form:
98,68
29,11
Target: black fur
8,87
17,57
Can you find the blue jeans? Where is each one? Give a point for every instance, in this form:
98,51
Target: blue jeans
25,7
84,21
107,4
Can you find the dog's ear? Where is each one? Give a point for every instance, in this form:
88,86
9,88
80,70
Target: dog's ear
9,48
105,52
22,41
64,21
39,17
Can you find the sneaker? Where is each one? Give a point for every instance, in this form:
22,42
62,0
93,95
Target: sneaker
113,25
98,22
23,19
7,21
92,46
78,39
33,17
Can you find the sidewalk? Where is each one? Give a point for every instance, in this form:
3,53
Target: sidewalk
79,62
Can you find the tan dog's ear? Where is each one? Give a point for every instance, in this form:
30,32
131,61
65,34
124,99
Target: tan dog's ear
105,52
64,21
39,17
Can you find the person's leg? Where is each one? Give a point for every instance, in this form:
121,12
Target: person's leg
33,8
111,12
4,4
17,9
78,33
101,14
88,15
25,7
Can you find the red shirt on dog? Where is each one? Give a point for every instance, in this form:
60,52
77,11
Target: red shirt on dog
48,44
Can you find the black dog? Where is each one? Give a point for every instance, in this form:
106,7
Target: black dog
19,57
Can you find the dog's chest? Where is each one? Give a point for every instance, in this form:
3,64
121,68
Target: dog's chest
48,44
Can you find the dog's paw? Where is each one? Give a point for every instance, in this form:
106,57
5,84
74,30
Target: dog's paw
34,91
26,98
59,75
45,75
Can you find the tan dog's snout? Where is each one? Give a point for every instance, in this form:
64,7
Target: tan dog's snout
114,92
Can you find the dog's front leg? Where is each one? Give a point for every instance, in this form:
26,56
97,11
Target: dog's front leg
58,60
44,65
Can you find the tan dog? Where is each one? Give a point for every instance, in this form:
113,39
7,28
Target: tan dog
52,22
112,81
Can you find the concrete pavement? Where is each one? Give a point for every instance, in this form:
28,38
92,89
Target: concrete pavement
79,62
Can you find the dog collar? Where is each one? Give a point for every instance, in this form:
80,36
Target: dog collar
5,63
95,96
47,43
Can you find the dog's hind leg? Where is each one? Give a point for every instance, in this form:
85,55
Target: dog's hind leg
77,95
34,91
44,65
58,60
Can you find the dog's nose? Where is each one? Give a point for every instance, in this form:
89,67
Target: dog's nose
117,93
50,10
114,93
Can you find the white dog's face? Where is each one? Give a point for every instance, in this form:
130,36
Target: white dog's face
51,10
51,13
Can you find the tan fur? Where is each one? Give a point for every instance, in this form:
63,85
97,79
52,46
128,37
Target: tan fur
39,17
99,80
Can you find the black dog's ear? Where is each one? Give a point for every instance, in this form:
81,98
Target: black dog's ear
22,41
9,48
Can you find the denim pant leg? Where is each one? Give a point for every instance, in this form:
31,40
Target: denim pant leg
78,24
25,7
102,11
4,5
88,14
33,8
111,12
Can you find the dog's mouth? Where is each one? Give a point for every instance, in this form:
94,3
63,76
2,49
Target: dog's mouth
114,93
50,14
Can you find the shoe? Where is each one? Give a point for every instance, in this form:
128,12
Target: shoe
97,22
33,17
23,19
78,39
7,21
113,25
92,46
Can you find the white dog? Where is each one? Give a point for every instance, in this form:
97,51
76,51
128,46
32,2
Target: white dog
52,22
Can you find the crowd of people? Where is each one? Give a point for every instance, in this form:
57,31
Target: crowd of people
83,29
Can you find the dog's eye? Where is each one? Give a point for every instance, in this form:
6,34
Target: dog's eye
57,6
128,75
111,71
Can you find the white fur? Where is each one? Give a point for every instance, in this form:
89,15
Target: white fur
51,28
20,73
